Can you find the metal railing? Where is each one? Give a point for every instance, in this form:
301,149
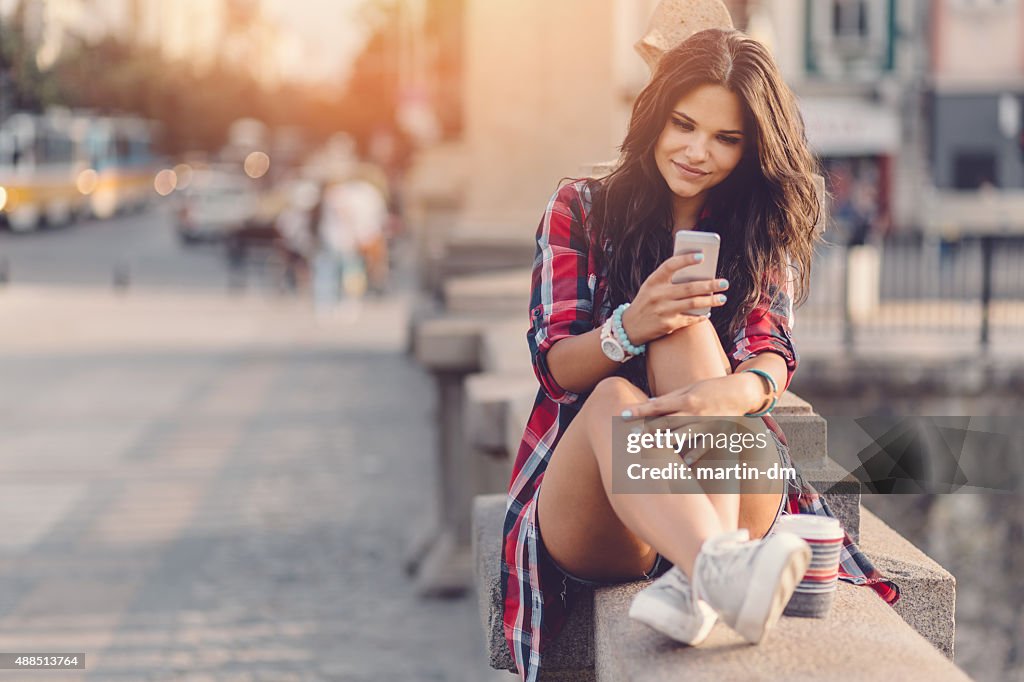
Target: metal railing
968,292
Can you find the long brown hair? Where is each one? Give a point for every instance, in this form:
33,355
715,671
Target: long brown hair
765,211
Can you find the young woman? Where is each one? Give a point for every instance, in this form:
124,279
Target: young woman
715,144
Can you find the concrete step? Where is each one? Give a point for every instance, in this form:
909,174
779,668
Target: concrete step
452,343
489,399
465,254
504,348
502,291
926,609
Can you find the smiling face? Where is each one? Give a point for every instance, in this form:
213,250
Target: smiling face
702,142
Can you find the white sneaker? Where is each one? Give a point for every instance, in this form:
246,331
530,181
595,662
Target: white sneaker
749,583
669,606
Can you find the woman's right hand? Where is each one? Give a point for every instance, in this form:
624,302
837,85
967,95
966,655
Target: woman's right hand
661,307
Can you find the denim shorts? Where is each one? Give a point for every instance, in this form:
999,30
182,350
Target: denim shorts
661,564
574,582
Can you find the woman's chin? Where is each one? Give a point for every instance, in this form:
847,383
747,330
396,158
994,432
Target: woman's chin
687,191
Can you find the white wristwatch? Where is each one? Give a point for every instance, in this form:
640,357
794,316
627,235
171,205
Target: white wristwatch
610,345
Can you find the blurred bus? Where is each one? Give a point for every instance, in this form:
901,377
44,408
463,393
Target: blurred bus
56,166
38,168
118,161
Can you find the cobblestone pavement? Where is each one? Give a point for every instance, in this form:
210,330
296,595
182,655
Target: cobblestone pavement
197,487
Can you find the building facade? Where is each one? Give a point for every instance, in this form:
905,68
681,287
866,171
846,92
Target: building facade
912,106
976,102
858,68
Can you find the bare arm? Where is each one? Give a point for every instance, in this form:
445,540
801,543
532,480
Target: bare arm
755,388
578,363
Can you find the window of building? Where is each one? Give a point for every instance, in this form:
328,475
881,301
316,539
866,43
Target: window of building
974,170
849,19
849,38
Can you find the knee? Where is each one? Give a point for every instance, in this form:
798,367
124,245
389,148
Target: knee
616,390
685,334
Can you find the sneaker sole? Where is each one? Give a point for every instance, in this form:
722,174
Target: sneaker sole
784,567
665,619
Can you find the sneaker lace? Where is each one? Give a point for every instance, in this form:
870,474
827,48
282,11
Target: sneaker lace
677,581
721,567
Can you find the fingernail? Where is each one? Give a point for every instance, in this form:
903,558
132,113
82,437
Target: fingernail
688,461
720,298
698,257
626,414
723,283
637,430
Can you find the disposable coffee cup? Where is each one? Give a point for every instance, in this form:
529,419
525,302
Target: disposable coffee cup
814,595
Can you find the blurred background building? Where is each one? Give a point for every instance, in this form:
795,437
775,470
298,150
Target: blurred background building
913,106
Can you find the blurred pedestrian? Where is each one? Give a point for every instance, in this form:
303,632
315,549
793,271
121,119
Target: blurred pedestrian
293,226
337,266
365,209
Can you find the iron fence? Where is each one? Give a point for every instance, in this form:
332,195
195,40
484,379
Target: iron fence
967,292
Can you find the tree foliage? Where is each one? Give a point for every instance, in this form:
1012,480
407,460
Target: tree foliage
196,106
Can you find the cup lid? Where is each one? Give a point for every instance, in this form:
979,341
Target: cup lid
811,525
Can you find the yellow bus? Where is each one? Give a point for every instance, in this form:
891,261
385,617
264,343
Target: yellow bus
55,166
38,169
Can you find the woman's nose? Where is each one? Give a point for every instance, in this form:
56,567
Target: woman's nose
696,152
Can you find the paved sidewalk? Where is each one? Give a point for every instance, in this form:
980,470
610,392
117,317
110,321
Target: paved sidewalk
197,487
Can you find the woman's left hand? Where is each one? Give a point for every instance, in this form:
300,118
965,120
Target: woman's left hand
727,396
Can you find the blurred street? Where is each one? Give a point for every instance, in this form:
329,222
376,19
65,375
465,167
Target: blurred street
87,253
196,485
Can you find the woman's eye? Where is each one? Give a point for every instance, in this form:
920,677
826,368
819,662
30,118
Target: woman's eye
682,125
729,140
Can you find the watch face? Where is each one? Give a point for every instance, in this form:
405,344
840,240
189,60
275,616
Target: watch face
613,350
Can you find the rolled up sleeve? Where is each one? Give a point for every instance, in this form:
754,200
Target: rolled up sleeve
561,299
768,329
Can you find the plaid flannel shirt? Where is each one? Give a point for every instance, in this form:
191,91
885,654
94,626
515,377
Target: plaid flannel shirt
568,298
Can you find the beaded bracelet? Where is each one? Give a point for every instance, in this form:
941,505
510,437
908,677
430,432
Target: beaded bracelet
773,394
620,332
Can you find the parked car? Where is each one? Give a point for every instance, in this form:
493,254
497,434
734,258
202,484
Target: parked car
215,204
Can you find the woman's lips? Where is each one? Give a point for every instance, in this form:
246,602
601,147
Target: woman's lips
689,171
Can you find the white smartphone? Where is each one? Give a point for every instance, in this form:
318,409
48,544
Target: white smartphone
690,241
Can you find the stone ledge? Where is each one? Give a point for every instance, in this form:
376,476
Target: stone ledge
862,639
465,253
927,604
489,399
504,291
504,348
451,343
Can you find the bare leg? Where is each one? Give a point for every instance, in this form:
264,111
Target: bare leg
599,535
593,533
685,357
681,359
